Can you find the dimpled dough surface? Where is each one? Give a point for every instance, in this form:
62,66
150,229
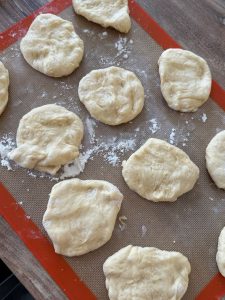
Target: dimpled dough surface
185,79
220,256
4,85
137,273
215,159
81,215
112,95
51,46
47,138
159,171
113,13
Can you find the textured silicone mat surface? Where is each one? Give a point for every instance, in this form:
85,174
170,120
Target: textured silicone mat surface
192,224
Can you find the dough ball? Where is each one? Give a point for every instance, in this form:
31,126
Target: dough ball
220,256
112,95
4,85
215,159
47,138
107,13
159,171
136,273
51,46
81,215
185,79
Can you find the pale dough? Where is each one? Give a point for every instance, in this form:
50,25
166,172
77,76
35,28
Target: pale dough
4,85
159,171
220,255
112,95
185,79
51,46
81,215
136,273
107,13
47,138
215,159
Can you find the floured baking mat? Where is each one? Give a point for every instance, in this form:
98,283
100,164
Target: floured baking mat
191,225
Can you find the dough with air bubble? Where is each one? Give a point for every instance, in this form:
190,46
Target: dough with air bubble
185,79
136,273
47,138
51,46
158,171
81,215
112,95
107,13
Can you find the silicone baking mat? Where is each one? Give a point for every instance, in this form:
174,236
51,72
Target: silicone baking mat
191,225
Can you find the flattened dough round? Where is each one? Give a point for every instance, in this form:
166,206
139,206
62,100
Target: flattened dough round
107,13
215,159
47,138
158,171
112,95
81,215
220,255
51,46
136,273
185,79
4,85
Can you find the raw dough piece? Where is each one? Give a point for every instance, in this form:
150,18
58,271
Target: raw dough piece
137,273
51,46
185,79
215,159
159,171
47,138
112,95
113,13
81,215
220,255
4,85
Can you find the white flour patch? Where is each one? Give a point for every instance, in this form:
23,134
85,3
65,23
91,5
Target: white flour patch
122,223
204,117
154,126
91,125
7,144
143,230
172,136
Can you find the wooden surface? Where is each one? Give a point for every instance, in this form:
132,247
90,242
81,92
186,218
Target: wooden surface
198,26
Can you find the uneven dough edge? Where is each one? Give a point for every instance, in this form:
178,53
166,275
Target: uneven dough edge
122,26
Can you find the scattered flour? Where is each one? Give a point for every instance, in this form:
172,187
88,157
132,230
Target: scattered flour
111,150
6,145
154,126
122,223
143,230
204,117
172,136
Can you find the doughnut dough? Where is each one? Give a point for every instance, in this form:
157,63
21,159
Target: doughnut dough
136,273
112,95
81,215
159,171
51,46
47,138
220,255
185,79
113,13
4,85
215,159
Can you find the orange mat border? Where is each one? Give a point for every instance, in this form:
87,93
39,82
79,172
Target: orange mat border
13,213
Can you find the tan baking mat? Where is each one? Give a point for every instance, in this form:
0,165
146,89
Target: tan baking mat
192,224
